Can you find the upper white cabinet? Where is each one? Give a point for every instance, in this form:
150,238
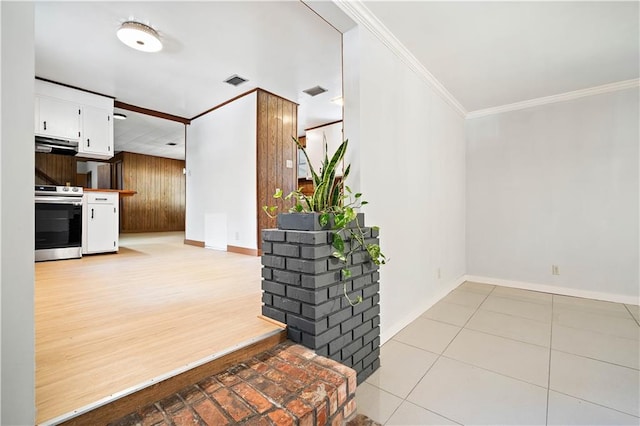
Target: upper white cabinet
70,114
97,139
58,118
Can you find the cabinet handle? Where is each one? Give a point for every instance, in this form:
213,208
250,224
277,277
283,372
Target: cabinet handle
88,142
91,213
100,199
45,125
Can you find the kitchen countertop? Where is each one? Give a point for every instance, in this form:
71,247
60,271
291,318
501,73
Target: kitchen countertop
122,192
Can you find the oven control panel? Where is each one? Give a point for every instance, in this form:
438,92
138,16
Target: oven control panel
72,191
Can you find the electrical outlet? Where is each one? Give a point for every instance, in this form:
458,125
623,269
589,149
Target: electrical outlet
555,270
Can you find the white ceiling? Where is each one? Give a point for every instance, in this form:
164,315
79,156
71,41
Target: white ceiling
282,47
146,134
486,54
490,54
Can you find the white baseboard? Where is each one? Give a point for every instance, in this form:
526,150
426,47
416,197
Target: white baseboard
419,309
565,291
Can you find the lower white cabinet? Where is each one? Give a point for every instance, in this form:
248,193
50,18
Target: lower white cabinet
100,222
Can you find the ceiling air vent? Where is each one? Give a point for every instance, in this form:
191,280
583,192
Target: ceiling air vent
235,80
314,91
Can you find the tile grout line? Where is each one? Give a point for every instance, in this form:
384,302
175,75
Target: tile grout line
596,403
438,358
630,313
549,372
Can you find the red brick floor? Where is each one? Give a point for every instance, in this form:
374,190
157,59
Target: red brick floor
287,385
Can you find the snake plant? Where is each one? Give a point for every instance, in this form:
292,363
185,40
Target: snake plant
332,198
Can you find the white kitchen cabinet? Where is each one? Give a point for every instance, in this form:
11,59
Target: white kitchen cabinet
57,118
97,138
69,114
100,222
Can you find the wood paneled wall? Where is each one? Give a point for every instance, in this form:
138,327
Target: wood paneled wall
277,124
159,204
60,168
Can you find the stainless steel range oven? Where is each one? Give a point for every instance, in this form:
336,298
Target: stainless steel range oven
58,222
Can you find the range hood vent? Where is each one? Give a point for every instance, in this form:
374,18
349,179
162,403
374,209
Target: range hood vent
56,146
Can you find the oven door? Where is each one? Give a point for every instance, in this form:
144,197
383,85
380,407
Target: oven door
58,227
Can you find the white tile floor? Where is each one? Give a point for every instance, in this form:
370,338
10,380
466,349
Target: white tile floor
489,355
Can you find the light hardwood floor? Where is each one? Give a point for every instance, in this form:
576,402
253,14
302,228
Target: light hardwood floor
108,323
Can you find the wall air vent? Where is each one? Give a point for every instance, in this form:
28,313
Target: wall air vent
235,80
314,91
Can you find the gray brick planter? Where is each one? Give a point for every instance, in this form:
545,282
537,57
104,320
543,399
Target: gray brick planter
302,287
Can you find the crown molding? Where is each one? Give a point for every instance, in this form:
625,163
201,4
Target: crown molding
605,88
357,11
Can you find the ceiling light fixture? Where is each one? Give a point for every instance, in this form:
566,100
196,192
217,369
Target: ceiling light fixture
119,116
139,36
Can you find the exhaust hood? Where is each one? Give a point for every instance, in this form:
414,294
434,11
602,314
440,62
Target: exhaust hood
56,146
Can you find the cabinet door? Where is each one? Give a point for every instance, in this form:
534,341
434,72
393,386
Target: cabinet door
98,132
102,228
59,119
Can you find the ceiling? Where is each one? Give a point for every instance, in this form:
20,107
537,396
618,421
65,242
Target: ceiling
486,54
490,54
282,47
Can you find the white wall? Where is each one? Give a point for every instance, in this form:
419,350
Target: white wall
412,171
557,184
17,215
221,173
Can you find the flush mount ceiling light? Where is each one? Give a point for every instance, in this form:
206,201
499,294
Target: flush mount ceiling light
139,36
119,116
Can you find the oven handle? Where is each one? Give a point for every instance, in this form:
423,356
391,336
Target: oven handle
76,201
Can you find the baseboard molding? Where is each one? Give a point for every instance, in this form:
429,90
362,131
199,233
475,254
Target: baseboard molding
242,250
419,309
194,243
548,288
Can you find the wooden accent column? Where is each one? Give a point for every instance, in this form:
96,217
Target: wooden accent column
277,125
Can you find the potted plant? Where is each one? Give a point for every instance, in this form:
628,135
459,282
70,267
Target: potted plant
320,269
333,205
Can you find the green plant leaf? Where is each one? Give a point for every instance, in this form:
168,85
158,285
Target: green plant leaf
299,207
338,243
358,194
340,256
278,193
324,219
346,273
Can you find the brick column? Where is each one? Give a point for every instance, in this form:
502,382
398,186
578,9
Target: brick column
302,288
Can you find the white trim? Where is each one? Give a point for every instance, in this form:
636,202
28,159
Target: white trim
357,11
419,309
605,88
565,291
